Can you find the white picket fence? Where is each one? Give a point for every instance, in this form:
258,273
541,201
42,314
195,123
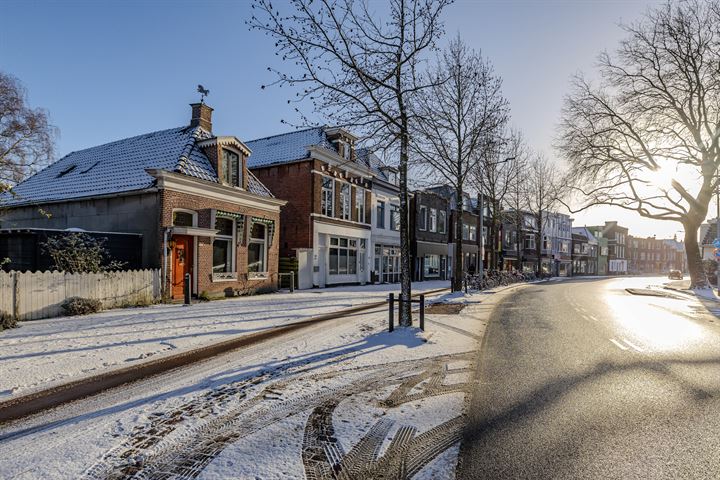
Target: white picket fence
34,295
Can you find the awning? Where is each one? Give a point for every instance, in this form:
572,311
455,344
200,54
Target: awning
194,231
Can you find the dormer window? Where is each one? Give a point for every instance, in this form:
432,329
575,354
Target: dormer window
230,170
347,150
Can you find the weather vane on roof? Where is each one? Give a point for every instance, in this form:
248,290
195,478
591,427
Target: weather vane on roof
204,92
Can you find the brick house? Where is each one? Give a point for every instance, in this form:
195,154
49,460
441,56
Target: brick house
617,243
327,223
185,190
429,233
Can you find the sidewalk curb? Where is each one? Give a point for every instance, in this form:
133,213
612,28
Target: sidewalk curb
40,400
691,295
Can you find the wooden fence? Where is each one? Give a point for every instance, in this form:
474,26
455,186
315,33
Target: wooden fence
34,295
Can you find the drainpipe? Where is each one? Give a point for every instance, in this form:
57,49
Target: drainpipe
164,273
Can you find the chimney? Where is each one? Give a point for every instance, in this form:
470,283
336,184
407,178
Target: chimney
201,116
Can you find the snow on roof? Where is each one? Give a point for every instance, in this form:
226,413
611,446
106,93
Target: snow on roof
121,166
286,147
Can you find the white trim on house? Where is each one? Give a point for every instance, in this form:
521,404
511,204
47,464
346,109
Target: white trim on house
194,231
194,186
332,158
226,141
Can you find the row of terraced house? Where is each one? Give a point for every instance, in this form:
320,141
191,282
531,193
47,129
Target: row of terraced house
231,214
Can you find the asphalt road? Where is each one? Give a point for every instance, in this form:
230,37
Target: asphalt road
579,379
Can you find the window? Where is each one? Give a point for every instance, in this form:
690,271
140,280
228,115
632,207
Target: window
343,256
223,246
431,266
230,171
469,232
183,219
546,243
257,249
394,217
433,220
422,218
529,241
345,201
360,204
327,196
380,214
442,221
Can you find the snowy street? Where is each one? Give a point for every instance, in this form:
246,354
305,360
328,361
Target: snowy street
343,395
42,353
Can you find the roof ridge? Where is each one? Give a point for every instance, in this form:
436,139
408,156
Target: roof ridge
286,133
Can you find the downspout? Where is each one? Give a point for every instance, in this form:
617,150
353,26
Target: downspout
165,266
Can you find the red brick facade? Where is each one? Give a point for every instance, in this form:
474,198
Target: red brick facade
300,183
170,200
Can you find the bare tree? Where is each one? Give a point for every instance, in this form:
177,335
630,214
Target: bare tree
646,138
459,119
359,69
26,137
543,192
500,171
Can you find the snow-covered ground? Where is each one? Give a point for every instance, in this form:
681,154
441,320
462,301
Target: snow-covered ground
344,395
43,353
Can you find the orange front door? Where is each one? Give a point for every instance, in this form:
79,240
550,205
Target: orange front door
182,263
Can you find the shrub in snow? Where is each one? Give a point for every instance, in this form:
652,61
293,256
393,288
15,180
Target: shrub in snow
81,306
7,321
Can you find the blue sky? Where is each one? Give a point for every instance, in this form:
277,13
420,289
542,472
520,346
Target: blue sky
108,70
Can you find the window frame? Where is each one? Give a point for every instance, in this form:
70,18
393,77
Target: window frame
264,250
360,204
380,214
345,211
442,214
394,217
422,218
343,247
324,204
225,170
232,251
432,226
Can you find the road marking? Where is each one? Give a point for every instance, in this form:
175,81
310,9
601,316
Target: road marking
593,317
633,345
618,344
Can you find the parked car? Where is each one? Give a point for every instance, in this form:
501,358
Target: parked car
675,275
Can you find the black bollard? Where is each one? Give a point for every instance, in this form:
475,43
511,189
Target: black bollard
422,312
187,289
391,313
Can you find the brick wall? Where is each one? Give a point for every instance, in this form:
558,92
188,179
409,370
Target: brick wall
171,200
295,183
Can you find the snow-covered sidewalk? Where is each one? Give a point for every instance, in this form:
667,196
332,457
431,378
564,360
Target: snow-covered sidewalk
342,395
43,353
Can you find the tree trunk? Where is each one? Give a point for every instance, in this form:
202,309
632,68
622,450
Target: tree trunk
457,266
694,259
405,276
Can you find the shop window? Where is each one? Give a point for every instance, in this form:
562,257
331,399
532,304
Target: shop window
343,256
432,266
257,250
